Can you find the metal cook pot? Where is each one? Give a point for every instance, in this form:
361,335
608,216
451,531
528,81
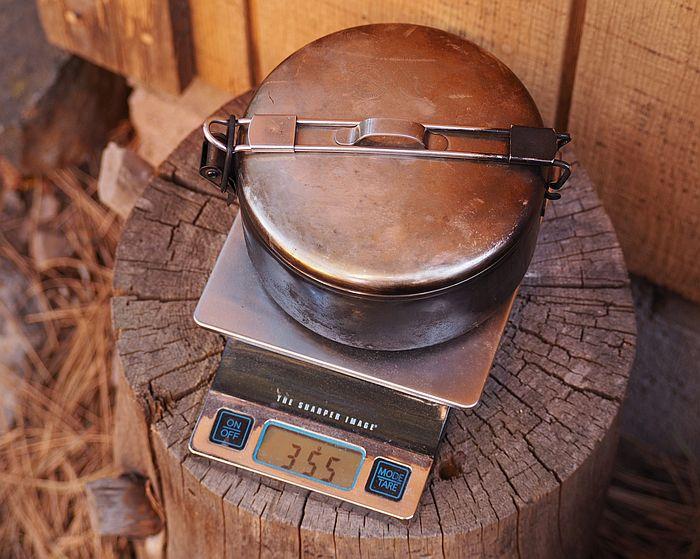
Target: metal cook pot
391,183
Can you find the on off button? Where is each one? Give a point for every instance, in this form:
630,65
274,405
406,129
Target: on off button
231,429
388,479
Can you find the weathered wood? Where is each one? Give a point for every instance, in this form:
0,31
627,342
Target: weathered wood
521,474
162,121
635,118
123,178
121,507
530,37
148,41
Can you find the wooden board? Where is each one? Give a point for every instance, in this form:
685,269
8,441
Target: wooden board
148,41
523,473
528,36
220,41
162,120
635,119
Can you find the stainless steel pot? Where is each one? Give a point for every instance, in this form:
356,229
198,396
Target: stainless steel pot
388,201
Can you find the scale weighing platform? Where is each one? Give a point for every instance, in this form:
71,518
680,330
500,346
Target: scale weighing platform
359,425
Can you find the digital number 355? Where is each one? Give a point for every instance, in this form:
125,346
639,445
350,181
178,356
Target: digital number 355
311,464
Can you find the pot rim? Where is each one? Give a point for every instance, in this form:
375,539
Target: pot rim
249,226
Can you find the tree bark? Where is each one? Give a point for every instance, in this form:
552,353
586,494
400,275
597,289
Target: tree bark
521,474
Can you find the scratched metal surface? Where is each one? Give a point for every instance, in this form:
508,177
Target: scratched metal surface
392,224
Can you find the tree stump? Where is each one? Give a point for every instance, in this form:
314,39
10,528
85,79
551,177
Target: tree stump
521,474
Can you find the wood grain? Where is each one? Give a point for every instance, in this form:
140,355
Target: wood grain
528,36
522,474
148,41
220,42
635,118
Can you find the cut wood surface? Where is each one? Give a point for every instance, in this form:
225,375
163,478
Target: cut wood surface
521,474
123,178
162,120
635,118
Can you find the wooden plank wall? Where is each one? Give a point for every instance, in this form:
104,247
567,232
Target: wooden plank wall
635,117
220,37
533,51
621,75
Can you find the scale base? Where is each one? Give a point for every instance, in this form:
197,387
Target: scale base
453,373
391,436
332,410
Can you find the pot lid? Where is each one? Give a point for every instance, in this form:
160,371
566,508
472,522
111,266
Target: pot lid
391,225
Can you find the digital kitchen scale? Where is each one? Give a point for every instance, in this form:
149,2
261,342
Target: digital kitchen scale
355,424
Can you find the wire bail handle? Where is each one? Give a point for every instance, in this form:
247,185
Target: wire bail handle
277,133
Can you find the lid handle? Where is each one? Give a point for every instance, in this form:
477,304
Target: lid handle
269,133
389,132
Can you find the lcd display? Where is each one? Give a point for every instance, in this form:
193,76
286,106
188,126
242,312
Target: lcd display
309,455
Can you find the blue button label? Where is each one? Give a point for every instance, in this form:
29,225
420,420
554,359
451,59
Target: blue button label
388,479
231,429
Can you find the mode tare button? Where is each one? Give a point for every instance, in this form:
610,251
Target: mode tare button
388,479
231,429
